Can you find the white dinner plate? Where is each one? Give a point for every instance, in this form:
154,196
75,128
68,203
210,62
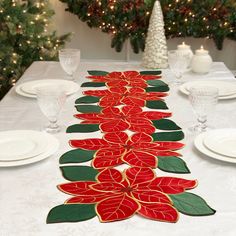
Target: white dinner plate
52,147
227,89
221,141
21,144
198,142
28,89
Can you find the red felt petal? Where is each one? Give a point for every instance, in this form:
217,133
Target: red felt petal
114,125
151,196
87,199
98,121
171,185
107,187
138,83
159,211
130,74
131,110
117,83
118,89
88,116
136,90
116,208
137,175
89,144
133,101
164,153
150,77
155,94
117,137
110,100
154,115
110,112
140,159
141,137
96,93
141,126
78,188
114,75
105,158
96,77
110,175
158,146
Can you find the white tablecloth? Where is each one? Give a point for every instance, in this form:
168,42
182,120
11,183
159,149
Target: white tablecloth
27,193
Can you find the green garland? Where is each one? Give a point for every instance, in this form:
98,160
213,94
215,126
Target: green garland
24,38
215,19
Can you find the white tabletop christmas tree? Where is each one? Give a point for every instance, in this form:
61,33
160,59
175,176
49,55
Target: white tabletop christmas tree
155,54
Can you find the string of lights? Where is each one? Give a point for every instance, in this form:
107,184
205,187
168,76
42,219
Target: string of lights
123,19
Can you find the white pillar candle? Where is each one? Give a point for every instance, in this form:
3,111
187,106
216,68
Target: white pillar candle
201,51
183,46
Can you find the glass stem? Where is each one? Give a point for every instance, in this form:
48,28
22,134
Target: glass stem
53,123
202,120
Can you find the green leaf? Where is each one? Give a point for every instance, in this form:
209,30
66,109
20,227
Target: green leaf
150,72
98,72
157,89
191,204
156,105
156,83
168,136
71,213
172,165
76,173
165,124
77,156
82,128
87,99
93,84
88,108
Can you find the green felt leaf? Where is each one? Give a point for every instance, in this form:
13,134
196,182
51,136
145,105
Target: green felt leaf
150,72
87,99
88,108
82,128
156,105
165,124
76,156
97,72
191,204
71,213
76,173
156,83
168,136
158,89
173,165
93,84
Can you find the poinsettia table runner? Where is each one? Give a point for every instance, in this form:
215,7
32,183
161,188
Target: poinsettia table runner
138,138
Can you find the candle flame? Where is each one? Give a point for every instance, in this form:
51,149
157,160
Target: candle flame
201,47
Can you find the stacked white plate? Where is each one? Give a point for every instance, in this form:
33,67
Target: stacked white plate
218,144
22,147
227,89
28,89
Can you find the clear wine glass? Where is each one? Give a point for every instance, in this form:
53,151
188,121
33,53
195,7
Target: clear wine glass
50,100
203,100
69,59
178,63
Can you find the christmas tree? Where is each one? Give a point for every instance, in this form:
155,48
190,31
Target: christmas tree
214,19
24,38
155,54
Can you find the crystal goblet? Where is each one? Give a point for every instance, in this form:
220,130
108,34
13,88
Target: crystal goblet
203,100
50,100
69,60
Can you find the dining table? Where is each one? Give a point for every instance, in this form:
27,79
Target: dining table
28,192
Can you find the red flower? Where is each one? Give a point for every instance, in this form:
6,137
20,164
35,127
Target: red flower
113,119
121,95
126,78
119,196
117,148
